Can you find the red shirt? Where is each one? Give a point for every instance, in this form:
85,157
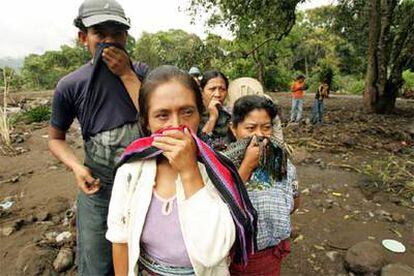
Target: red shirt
298,90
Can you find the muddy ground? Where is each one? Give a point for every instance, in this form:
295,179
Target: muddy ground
343,202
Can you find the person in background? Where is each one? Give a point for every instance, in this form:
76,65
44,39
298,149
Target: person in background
215,121
270,178
103,95
195,73
298,89
318,105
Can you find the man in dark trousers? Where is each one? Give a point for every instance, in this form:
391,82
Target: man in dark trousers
103,96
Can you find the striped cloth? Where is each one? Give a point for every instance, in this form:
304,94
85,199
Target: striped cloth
226,180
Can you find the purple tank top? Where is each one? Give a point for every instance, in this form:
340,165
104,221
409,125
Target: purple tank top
161,237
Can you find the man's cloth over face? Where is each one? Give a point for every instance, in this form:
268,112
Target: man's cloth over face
96,97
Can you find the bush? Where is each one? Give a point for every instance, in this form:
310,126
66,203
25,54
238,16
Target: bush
408,77
37,114
350,84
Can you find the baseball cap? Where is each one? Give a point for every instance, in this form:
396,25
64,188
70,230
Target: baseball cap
93,12
194,71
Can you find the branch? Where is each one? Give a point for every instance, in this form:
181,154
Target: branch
277,37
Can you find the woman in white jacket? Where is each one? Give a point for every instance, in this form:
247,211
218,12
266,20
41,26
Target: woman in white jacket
165,215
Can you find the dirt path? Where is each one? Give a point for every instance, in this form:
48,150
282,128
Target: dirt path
333,216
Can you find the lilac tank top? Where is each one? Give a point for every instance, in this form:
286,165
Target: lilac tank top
161,237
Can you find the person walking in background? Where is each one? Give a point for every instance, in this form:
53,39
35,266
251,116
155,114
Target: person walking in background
103,95
318,105
298,89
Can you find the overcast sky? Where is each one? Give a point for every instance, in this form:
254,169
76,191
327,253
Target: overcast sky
34,26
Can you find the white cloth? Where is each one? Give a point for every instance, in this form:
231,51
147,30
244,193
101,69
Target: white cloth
206,223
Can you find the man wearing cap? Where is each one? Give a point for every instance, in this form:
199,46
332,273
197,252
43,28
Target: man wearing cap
103,96
195,73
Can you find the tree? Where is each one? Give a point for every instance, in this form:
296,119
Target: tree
390,51
254,23
44,71
175,47
381,39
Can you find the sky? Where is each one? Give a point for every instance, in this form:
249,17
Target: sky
35,26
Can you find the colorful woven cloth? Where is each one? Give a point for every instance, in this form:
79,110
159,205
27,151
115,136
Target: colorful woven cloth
273,156
226,180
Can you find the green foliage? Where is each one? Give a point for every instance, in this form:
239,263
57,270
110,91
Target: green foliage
408,77
349,85
175,47
44,71
36,115
326,73
392,174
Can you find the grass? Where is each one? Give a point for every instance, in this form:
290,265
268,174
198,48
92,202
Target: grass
392,174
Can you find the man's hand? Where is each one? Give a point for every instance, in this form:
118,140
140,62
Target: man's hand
85,181
117,61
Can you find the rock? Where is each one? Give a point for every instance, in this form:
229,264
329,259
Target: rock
348,208
10,228
397,269
42,215
51,236
378,145
347,140
34,260
383,215
30,219
63,236
395,199
377,199
323,165
317,202
393,147
301,155
56,219
329,203
57,205
64,260
332,255
398,218
316,188
305,191
365,257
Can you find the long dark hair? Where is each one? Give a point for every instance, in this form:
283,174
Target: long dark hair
211,75
159,76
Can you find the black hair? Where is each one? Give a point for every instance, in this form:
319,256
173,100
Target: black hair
159,76
211,75
246,104
300,77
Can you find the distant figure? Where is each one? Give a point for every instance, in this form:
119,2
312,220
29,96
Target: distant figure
298,92
196,74
318,106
